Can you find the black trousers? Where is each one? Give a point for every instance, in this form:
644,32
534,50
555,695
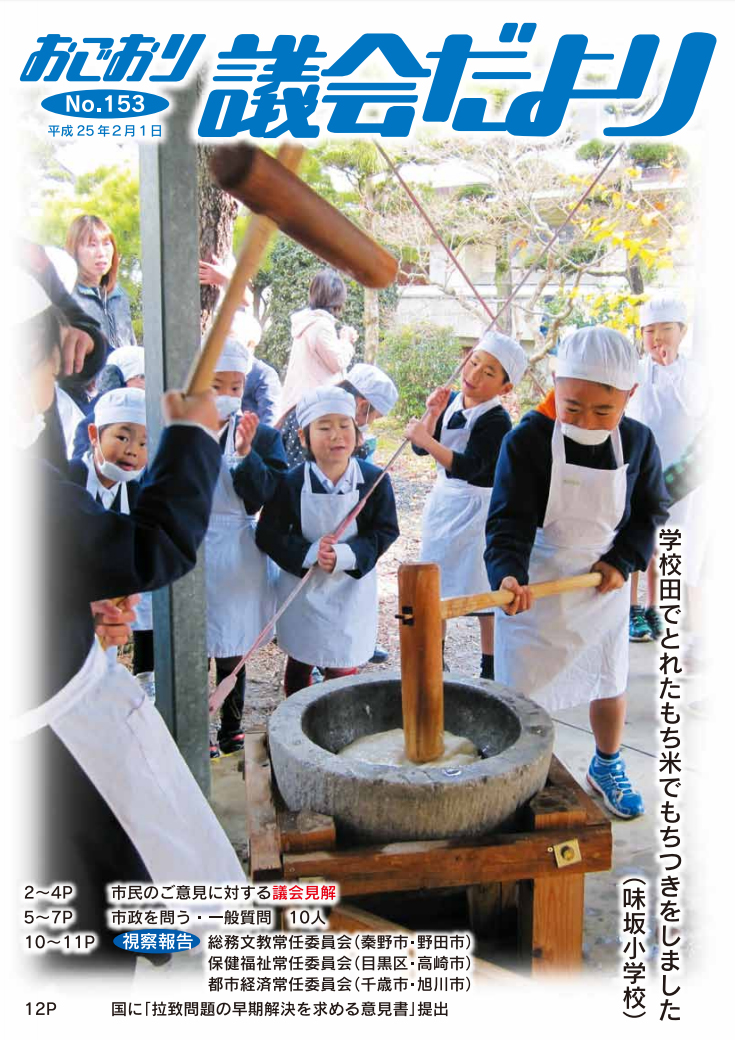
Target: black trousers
143,651
232,708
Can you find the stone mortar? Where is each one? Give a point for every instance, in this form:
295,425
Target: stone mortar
397,803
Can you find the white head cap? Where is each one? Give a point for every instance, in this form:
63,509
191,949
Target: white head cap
510,354
599,355
235,357
126,405
29,299
324,400
130,360
246,328
662,308
64,265
375,386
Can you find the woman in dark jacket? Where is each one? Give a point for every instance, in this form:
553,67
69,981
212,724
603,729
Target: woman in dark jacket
92,244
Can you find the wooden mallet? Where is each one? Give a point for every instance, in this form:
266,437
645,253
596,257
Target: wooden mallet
279,200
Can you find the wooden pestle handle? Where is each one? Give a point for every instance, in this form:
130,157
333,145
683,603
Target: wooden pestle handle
458,606
422,678
257,236
421,615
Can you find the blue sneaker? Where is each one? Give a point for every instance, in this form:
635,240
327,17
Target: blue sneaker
655,622
611,781
638,629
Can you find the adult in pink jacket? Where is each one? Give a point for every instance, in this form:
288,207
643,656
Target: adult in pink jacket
318,354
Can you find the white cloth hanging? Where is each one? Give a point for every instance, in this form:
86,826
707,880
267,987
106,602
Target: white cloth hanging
108,724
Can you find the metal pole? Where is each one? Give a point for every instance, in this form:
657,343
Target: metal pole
170,251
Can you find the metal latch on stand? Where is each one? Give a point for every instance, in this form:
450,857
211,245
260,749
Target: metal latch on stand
566,853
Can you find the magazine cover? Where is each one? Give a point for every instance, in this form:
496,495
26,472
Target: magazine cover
367,402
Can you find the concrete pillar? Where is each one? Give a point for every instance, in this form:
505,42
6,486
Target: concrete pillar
170,247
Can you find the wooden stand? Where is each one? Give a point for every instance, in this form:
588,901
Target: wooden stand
563,836
532,874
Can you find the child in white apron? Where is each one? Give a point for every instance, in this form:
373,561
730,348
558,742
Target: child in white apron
240,579
375,395
119,802
124,367
578,488
333,622
463,432
672,400
110,471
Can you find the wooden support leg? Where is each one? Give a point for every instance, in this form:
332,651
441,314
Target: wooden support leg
552,922
492,908
264,837
551,909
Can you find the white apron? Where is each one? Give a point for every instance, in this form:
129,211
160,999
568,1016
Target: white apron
108,724
573,648
672,401
240,580
453,523
70,415
144,610
333,622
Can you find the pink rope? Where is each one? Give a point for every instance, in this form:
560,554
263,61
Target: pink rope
447,249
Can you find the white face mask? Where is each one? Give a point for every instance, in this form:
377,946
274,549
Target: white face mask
117,473
226,406
120,476
27,431
590,438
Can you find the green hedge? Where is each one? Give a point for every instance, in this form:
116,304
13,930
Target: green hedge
418,358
